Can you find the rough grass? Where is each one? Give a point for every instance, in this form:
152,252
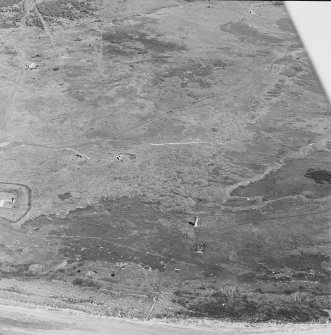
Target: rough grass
86,282
68,9
252,307
8,3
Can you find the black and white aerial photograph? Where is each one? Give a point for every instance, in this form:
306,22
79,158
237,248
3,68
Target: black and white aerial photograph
165,168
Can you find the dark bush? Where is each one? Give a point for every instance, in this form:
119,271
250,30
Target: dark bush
86,282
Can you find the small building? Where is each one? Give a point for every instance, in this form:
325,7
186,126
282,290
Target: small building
7,199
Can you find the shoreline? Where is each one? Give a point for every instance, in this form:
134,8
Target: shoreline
32,319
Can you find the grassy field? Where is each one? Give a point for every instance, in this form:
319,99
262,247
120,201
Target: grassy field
129,120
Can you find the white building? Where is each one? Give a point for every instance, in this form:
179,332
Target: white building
7,199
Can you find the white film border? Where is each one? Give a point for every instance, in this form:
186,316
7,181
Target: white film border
312,20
